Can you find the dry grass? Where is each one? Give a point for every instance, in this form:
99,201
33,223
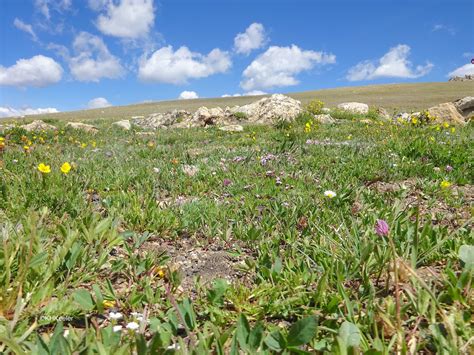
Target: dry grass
393,97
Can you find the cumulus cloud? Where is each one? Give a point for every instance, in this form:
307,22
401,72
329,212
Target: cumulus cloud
227,95
22,26
248,93
127,19
278,66
13,112
187,95
93,61
98,102
176,67
38,71
466,69
254,37
394,64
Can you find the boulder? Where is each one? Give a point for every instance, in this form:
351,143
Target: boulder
82,126
382,113
124,124
405,117
232,128
6,127
324,119
161,120
273,108
446,112
326,110
208,116
38,125
466,103
354,107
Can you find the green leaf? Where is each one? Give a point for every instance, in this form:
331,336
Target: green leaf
255,337
84,299
350,334
276,341
302,331
466,254
99,298
216,294
38,259
243,331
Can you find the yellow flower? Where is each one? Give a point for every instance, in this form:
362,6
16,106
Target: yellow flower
446,125
65,168
83,145
45,169
414,120
2,139
26,148
432,138
349,137
108,303
445,184
160,272
453,129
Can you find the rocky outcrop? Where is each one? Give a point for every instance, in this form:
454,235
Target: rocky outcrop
208,116
82,127
38,125
354,107
124,124
467,77
274,108
162,120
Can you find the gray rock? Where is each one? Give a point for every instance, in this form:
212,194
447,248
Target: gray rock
446,112
38,125
208,116
324,119
161,120
466,103
82,126
354,107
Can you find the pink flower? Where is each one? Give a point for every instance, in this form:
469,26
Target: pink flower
449,168
381,228
226,182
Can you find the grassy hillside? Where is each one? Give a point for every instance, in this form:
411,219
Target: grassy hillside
392,97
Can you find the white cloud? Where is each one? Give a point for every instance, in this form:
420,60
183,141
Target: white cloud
13,112
187,95
177,67
278,66
128,19
38,71
441,27
227,95
394,64
98,102
466,69
254,37
93,60
43,6
254,93
22,26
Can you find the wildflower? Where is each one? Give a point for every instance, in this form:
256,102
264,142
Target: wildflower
65,168
108,303
432,139
83,145
45,169
117,328
445,184
381,228
449,168
446,125
160,272
26,148
151,144
453,129
133,326
66,333
115,315
349,137
330,194
174,161
227,182
414,120
307,127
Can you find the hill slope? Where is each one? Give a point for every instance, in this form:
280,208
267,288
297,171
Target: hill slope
391,96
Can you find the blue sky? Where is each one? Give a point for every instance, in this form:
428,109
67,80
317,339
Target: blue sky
73,54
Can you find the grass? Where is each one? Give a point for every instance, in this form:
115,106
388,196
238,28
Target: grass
393,97
218,242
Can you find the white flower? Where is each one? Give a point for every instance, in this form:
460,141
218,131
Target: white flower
66,333
133,326
117,328
330,194
156,170
115,315
174,346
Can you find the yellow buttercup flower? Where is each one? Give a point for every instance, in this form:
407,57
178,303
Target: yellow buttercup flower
65,168
446,125
109,304
445,184
45,169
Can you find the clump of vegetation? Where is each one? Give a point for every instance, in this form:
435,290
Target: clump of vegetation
241,116
335,239
314,107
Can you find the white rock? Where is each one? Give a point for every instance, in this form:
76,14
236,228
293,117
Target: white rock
275,107
324,119
232,128
354,107
124,124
